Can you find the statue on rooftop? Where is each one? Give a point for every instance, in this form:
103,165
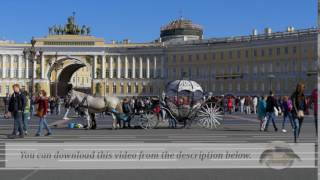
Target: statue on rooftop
71,28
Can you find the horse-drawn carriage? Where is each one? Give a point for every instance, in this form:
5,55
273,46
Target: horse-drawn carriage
183,101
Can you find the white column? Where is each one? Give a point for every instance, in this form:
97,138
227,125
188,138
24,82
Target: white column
111,67
35,68
4,59
155,67
119,67
11,58
27,67
42,66
133,67
19,66
140,68
103,69
94,67
126,67
148,67
162,67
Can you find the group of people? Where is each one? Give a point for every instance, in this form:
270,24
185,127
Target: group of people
19,107
292,108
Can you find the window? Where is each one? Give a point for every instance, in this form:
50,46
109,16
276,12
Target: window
151,89
144,73
129,89
286,50
262,52
205,57
114,89
230,54
197,56
114,73
255,53
222,55
190,57
107,73
213,56
239,54
7,89
143,89
121,89
182,58
174,57
247,53
136,89
278,51
294,50
107,89
270,51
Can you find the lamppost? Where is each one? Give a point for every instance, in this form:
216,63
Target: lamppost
30,55
57,65
271,77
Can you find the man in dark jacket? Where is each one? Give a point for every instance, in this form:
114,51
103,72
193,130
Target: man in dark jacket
270,110
16,107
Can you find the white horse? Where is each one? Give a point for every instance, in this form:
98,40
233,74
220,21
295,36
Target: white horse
90,105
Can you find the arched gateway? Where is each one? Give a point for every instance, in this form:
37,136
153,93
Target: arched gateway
60,74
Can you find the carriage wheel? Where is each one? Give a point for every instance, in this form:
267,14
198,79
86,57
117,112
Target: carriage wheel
209,115
148,120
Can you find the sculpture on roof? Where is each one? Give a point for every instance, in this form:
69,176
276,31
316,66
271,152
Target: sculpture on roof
71,28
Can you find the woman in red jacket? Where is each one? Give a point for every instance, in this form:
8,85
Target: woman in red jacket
42,111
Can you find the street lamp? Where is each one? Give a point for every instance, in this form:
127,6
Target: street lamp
271,77
30,55
57,65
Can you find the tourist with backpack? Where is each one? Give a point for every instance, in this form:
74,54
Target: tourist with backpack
287,112
272,107
127,111
299,107
262,106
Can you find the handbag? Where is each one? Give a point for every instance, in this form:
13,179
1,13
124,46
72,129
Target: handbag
276,112
300,114
40,113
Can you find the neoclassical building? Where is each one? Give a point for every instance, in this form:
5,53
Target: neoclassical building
239,65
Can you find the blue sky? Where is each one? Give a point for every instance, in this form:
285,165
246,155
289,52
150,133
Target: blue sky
140,20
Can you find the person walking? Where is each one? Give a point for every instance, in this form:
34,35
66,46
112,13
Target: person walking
272,105
299,107
127,111
314,97
287,112
262,106
58,105
16,107
42,111
230,105
242,100
52,104
26,114
255,104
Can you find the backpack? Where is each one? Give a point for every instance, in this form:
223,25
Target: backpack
126,108
289,104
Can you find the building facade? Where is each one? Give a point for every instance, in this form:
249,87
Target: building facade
244,65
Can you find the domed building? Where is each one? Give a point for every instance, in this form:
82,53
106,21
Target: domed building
181,30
